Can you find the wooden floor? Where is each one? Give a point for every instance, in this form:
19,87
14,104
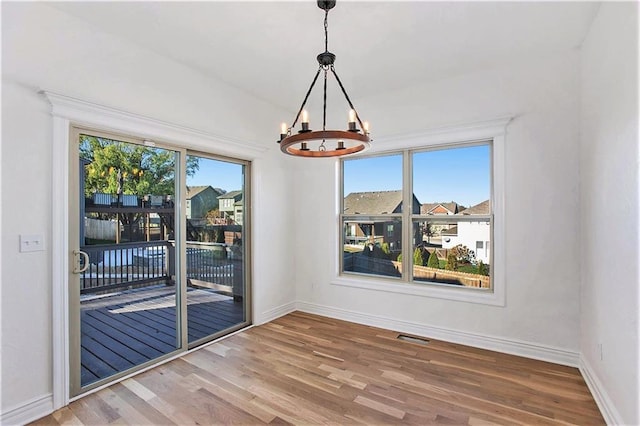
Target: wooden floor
306,369
121,331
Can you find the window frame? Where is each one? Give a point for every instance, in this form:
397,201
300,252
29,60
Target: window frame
492,132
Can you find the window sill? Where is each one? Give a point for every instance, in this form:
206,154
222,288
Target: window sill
438,291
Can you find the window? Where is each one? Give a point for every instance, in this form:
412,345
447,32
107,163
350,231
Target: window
372,215
443,238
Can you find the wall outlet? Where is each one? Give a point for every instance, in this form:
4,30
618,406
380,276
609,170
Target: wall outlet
34,242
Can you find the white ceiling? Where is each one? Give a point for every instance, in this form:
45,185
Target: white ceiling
268,48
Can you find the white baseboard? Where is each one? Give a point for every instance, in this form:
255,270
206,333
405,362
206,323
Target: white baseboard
274,313
498,344
606,406
28,412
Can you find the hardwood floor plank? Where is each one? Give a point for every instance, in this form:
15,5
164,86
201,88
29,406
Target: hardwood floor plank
378,406
306,369
139,404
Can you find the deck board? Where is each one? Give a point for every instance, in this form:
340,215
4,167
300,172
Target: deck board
130,328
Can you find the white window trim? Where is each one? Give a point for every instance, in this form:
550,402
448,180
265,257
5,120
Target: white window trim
67,111
494,130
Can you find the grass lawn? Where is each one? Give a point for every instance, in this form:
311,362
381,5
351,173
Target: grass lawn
468,268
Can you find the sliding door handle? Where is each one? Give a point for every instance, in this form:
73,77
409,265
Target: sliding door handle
80,269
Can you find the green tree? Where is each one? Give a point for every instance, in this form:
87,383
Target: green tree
463,254
428,231
400,258
452,262
385,249
417,257
120,167
433,261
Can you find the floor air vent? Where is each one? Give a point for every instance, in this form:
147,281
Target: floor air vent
412,339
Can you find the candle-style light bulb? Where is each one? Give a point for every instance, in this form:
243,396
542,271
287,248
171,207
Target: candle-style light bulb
352,121
283,131
366,126
305,120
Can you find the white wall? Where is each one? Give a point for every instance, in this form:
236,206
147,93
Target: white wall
609,207
542,270
43,48
469,233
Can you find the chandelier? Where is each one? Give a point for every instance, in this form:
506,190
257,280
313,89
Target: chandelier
313,143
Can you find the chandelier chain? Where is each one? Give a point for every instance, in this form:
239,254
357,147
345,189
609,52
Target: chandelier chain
326,30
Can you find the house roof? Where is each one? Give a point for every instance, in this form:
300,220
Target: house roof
480,208
451,231
192,191
231,194
432,208
377,202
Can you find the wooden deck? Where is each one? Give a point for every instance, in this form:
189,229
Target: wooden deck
129,328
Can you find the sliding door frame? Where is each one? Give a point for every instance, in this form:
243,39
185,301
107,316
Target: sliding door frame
67,112
246,244
75,322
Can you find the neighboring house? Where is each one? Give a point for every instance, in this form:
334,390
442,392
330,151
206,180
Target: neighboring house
437,229
373,204
228,201
440,208
238,208
474,235
200,200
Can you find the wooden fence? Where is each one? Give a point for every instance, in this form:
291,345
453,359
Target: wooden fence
357,262
100,229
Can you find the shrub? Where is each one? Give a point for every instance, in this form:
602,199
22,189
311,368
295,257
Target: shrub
483,269
400,258
417,257
452,262
433,261
385,248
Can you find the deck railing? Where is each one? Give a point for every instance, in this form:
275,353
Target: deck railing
135,264
209,262
115,266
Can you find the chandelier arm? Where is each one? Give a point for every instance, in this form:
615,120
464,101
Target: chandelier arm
324,103
344,92
306,97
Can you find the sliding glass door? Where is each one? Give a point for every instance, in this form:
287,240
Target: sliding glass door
158,254
215,252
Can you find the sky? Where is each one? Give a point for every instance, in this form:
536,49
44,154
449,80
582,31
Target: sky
218,174
457,174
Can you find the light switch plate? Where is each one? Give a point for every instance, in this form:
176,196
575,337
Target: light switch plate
33,242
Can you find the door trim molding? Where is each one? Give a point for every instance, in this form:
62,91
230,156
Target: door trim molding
60,260
67,111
